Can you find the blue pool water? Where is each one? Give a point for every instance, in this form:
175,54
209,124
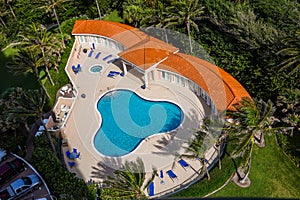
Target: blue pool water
127,119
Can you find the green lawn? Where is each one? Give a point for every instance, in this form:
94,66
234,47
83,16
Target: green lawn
272,175
8,79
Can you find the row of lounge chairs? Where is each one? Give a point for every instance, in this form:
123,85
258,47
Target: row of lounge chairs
170,173
104,59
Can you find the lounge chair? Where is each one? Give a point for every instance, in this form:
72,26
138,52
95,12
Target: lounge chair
107,57
183,163
200,159
98,55
68,153
78,67
151,189
78,155
112,60
172,175
71,164
75,150
91,53
75,69
113,73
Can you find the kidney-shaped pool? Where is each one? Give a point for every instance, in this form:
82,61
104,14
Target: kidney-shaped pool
127,119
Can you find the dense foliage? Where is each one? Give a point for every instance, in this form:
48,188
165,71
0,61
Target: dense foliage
62,183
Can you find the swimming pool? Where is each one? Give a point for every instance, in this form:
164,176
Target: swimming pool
127,119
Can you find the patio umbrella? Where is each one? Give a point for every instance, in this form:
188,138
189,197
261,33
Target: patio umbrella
161,174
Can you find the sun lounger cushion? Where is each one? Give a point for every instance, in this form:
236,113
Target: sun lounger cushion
183,163
68,153
107,57
98,55
151,189
71,164
171,174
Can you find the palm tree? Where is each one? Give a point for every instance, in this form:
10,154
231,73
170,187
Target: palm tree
197,149
216,132
30,104
292,54
43,41
247,125
133,12
184,12
27,61
50,5
129,180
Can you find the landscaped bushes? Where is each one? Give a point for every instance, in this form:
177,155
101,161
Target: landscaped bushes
62,183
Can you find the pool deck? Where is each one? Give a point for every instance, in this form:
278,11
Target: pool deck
157,151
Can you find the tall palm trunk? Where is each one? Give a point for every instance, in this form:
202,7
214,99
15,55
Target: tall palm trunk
206,169
247,173
59,28
3,22
49,76
203,163
188,27
99,12
218,148
48,134
47,70
41,83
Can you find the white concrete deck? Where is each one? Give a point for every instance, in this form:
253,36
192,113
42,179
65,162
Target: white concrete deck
156,151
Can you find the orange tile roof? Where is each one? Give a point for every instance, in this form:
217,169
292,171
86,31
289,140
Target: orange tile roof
126,35
145,51
148,52
222,88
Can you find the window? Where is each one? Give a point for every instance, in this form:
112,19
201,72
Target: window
151,75
183,81
177,79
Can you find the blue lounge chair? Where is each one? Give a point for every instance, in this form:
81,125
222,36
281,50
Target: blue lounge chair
71,164
79,67
112,60
172,175
98,55
68,153
113,73
91,53
78,155
107,57
75,70
151,189
110,75
205,160
183,163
